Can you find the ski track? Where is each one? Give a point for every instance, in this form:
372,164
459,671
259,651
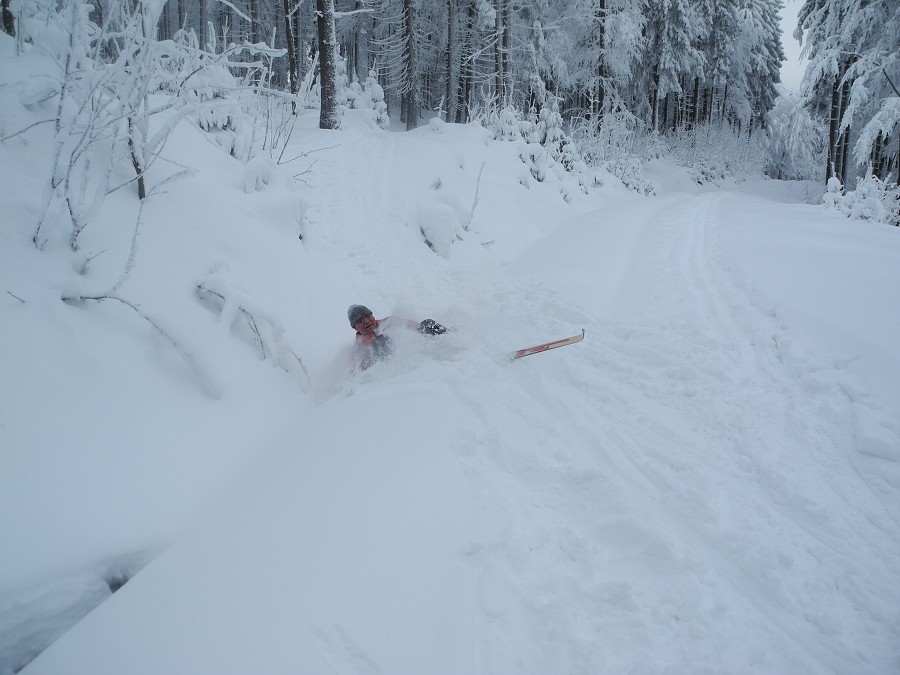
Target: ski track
670,398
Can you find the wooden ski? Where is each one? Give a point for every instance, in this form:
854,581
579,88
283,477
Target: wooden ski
528,351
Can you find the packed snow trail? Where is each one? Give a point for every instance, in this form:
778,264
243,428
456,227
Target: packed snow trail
712,423
683,491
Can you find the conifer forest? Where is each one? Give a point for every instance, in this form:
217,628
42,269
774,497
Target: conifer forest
605,81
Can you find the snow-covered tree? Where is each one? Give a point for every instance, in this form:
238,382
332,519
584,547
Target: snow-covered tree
399,46
761,35
796,148
853,73
674,31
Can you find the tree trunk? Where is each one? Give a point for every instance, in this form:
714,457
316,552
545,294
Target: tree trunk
9,21
452,66
600,103
724,100
468,71
844,151
328,114
292,49
136,161
359,70
501,52
695,103
298,42
204,21
166,25
411,88
833,125
876,156
504,50
255,22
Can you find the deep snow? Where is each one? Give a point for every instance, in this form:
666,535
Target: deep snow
707,483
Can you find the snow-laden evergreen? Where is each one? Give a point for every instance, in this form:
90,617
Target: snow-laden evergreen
853,77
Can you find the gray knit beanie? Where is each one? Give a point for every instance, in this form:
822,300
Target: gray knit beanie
357,312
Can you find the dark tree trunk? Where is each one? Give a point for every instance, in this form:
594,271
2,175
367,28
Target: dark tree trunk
9,21
876,157
166,25
328,115
136,160
293,52
833,128
600,103
724,100
844,151
695,103
204,21
452,66
298,42
504,49
411,93
501,52
255,22
468,72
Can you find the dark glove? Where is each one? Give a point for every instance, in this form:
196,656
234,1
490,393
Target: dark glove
431,327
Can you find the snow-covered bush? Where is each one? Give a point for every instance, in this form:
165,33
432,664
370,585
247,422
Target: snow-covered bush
630,170
797,148
345,93
542,141
439,225
240,315
103,106
232,107
371,97
204,80
228,96
505,124
873,199
111,81
258,174
718,151
619,145
550,133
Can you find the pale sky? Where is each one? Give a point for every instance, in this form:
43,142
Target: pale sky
792,69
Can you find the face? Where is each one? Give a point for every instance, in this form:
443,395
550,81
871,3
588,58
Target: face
366,325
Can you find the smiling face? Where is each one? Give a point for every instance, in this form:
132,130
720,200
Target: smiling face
366,325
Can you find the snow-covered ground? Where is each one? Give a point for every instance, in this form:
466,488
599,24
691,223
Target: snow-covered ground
707,483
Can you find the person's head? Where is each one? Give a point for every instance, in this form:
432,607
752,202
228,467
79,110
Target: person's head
361,319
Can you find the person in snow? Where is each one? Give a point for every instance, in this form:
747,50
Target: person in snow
371,342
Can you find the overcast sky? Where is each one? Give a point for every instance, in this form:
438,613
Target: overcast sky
792,69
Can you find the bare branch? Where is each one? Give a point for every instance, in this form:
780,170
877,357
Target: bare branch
206,382
890,82
22,131
475,202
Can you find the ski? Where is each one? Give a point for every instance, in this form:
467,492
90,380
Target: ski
547,345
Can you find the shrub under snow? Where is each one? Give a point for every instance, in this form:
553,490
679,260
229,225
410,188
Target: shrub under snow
873,199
